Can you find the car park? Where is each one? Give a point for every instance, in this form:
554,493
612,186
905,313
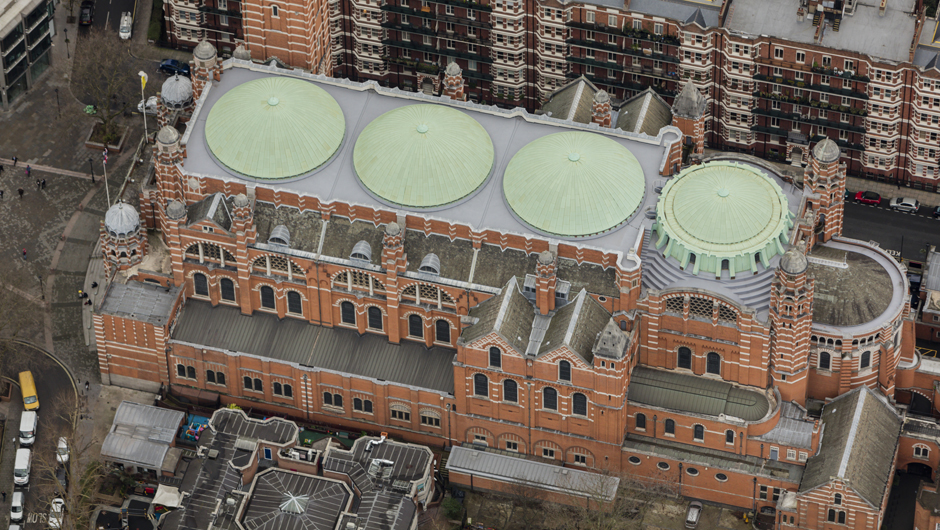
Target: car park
904,204
86,13
16,507
868,197
62,451
173,67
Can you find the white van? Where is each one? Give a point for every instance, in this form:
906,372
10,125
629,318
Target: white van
127,24
24,461
16,507
28,422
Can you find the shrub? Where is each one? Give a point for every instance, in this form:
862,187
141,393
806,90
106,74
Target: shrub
452,508
156,21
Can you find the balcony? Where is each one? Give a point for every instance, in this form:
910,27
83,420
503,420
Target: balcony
430,15
222,12
453,35
842,143
630,33
831,72
809,86
467,5
425,68
626,84
408,45
640,52
792,116
855,111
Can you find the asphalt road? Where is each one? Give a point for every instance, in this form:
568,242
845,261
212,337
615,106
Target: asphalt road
108,13
904,233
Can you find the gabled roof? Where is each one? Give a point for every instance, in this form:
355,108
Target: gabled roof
859,444
690,103
697,17
645,112
215,208
572,102
576,325
509,314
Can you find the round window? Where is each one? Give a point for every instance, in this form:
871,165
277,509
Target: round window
721,477
662,465
691,471
602,299
634,460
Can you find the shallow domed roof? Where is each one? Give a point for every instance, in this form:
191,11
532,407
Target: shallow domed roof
168,135
722,212
175,210
241,200
793,262
453,69
204,51
241,53
574,184
423,156
275,128
827,151
177,91
602,96
121,220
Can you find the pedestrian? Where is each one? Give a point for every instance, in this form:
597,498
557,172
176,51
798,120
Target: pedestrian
80,294
28,170
86,386
1,169
43,183
4,494
24,254
38,185
20,191
1,194
14,161
94,285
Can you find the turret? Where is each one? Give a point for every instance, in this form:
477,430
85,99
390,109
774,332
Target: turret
824,189
123,241
791,320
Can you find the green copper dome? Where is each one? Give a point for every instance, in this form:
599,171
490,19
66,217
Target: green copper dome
423,156
275,128
574,184
722,215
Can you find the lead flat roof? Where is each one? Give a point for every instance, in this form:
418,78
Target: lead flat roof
886,37
142,301
363,102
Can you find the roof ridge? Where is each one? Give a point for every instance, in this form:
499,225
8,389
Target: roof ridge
575,315
504,304
575,101
642,114
853,430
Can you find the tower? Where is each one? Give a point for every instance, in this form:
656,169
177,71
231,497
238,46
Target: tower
167,154
205,67
791,321
824,189
176,95
600,109
123,242
688,114
453,83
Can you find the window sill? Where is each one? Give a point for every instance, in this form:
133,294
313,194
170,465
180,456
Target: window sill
223,385
261,392
333,409
184,378
363,412
282,396
271,310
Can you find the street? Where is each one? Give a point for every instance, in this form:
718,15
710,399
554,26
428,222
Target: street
108,14
904,233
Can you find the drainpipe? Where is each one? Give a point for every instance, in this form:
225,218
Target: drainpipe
654,425
528,397
754,498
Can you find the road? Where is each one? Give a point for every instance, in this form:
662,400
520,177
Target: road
108,14
894,231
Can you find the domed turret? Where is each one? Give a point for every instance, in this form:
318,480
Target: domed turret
175,210
204,51
241,53
177,92
793,262
123,243
121,220
168,135
827,151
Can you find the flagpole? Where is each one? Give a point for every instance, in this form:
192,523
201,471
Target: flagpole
143,83
104,165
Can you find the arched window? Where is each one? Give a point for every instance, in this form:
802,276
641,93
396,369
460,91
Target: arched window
729,436
684,359
375,318
220,378
698,433
481,385
276,388
247,382
210,376
288,391
294,303
866,361
357,404
267,297
510,391
579,404
670,427
442,331
564,371
258,386
347,313
191,372
837,499
825,360
337,400
713,363
841,517
328,398
641,422
201,284
415,326
496,357
549,398
181,370
273,11
227,288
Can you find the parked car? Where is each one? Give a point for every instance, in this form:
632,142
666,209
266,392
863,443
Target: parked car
62,451
86,13
692,516
868,197
16,508
56,513
127,24
904,204
172,67
936,212
151,107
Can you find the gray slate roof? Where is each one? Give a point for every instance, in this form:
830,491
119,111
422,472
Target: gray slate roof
690,103
141,301
518,470
792,429
859,444
321,500
572,102
141,434
216,208
304,227
577,326
694,394
509,314
297,341
645,113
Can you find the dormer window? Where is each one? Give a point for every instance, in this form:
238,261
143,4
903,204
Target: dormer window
279,236
431,264
362,251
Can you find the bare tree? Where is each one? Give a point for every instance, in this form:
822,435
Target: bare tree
529,499
104,75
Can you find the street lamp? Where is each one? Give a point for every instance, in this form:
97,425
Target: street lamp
57,107
143,83
66,30
91,166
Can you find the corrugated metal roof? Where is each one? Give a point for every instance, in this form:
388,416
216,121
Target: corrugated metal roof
141,301
516,470
698,395
298,341
236,422
792,429
141,434
932,278
321,501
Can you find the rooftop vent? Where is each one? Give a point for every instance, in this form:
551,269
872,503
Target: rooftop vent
380,468
362,251
280,236
295,504
431,264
